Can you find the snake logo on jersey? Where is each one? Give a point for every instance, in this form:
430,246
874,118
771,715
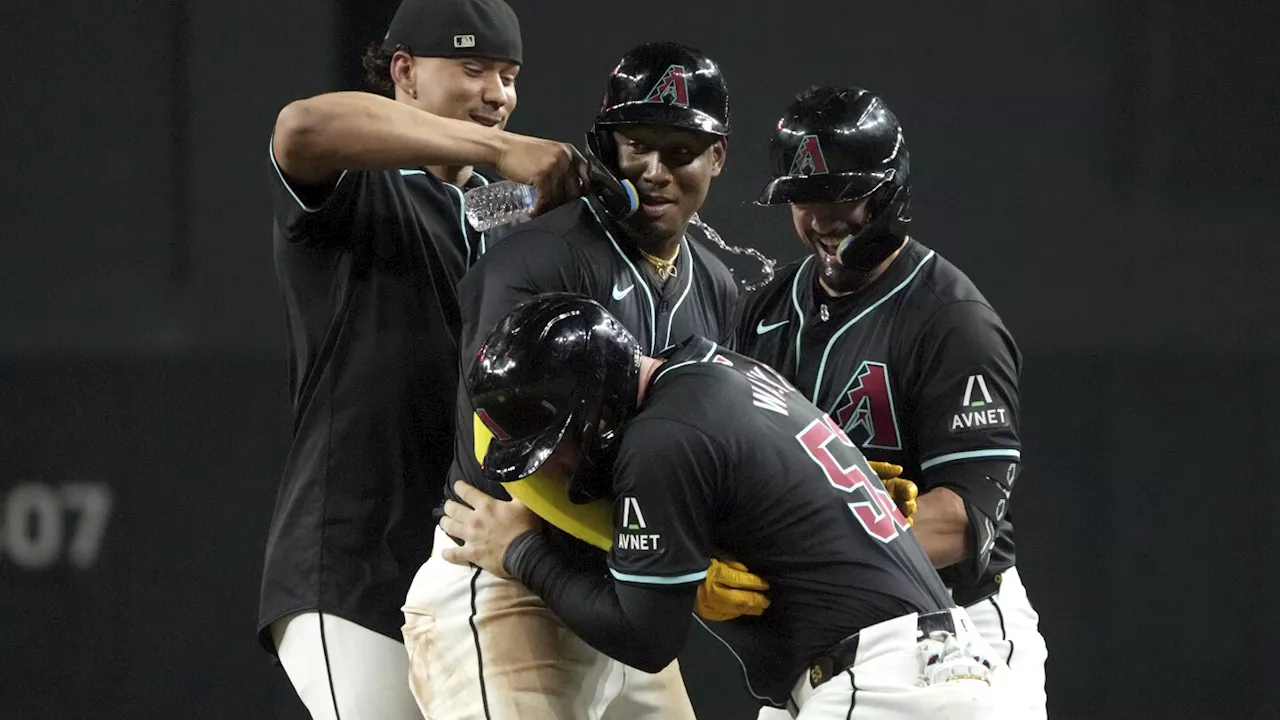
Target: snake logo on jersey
868,410
671,88
809,159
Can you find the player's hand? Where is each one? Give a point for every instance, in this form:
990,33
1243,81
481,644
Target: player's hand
556,170
730,591
902,490
487,527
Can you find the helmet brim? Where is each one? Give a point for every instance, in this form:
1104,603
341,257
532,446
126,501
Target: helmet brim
512,459
653,113
836,187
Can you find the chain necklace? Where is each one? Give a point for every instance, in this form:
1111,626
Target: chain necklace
666,269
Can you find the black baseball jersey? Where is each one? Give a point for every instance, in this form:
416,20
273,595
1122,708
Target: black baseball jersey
367,269
917,368
577,248
726,457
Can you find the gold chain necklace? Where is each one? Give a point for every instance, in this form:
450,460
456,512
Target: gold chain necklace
666,269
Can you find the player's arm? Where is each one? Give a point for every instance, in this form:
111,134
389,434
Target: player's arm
317,138
663,482
965,424
643,626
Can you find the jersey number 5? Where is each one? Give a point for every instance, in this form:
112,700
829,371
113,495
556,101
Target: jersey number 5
879,516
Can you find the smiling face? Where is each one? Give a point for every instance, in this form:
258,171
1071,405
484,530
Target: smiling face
822,227
478,90
672,170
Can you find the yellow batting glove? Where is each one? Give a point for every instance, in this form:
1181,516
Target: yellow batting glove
730,591
902,490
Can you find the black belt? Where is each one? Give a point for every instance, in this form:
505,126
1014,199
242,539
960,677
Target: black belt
974,594
842,656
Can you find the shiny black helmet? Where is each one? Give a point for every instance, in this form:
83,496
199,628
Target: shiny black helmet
838,144
557,365
661,83
834,144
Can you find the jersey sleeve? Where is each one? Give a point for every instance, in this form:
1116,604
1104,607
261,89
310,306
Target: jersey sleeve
665,481
301,210
965,398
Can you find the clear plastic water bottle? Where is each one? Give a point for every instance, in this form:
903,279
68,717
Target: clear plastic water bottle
500,203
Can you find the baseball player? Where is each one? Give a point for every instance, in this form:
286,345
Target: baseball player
370,240
903,352
482,646
703,450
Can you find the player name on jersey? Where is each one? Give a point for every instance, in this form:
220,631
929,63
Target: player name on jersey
766,392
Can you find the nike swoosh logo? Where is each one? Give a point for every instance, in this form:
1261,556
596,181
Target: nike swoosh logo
761,329
619,294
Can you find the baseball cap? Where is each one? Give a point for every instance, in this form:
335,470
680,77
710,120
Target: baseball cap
456,28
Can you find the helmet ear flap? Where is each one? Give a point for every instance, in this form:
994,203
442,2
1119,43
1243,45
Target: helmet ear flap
591,479
602,144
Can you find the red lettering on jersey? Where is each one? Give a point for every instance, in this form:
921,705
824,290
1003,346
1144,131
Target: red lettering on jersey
869,408
809,159
879,515
671,88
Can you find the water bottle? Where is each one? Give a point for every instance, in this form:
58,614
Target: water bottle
499,203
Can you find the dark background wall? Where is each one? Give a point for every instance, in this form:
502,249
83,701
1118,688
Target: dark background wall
1104,171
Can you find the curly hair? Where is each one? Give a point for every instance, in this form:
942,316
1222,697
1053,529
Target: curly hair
377,67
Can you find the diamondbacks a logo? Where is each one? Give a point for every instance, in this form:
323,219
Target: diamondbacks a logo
809,159
869,410
631,529
672,88
980,411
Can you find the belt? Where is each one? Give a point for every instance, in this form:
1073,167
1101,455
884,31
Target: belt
845,653
974,594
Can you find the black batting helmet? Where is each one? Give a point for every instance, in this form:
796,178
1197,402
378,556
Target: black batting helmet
838,144
557,365
661,83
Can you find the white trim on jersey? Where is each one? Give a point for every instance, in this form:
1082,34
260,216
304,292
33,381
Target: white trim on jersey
658,579
688,271
746,678
483,241
671,366
822,367
795,301
462,212
271,150
971,455
639,279
462,216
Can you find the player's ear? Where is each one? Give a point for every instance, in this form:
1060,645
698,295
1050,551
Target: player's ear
404,73
719,149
